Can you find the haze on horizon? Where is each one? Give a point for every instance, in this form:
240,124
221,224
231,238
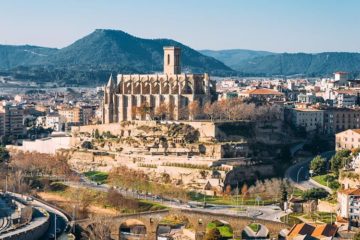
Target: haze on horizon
279,25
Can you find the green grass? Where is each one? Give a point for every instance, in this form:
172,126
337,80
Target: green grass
328,180
321,216
225,230
145,206
255,227
97,176
292,218
230,200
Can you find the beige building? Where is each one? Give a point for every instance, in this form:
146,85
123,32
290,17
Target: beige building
262,93
310,119
170,92
348,139
11,120
72,115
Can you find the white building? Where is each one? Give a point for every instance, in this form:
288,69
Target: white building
307,98
46,145
349,205
55,121
341,78
310,119
345,100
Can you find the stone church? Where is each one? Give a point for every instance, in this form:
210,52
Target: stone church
171,91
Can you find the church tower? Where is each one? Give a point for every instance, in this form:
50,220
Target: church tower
108,104
172,60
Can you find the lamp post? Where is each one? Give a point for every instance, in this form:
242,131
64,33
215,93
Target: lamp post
297,176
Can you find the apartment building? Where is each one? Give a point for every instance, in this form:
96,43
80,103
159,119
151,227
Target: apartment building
11,120
348,139
349,205
72,115
309,118
341,119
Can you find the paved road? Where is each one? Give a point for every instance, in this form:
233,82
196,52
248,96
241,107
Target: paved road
61,220
5,215
262,212
298,174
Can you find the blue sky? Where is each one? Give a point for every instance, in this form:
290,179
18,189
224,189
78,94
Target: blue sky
273,25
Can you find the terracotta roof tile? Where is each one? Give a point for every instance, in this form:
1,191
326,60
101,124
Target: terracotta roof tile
351,191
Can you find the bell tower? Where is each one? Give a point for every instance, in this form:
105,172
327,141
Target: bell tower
172,60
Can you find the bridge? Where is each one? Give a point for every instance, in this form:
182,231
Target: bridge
197,219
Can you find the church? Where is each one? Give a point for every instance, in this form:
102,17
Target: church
145,97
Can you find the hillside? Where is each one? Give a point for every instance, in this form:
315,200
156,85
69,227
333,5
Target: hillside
321,64
232,57
13,56
99,54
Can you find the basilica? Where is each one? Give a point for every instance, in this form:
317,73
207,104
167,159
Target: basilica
143,97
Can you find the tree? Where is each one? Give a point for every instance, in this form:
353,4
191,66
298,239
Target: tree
143,110
204,174
209,110
96,134
284,192
87,145
194,109
315,194
213,234
4,154
318,165
162,111
339,160
357,236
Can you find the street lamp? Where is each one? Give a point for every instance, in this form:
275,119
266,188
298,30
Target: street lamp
297,177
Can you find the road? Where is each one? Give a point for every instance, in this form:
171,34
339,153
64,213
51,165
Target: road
298,174
271,212
61,220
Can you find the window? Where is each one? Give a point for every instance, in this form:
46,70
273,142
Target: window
168,59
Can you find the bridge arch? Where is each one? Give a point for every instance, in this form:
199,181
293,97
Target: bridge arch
133,229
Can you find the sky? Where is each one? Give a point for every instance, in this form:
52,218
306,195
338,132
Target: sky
271,25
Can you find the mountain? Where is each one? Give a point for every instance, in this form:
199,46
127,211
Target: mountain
122,52
13,56
301,63
93,57
232,57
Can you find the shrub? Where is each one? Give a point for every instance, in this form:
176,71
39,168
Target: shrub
315,194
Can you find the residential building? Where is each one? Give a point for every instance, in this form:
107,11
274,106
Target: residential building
349,205
309,118
348,139
341,78
72,115
262,94
12,120
55,121
307,98
344,99
341,119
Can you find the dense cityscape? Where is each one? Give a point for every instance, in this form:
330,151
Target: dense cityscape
191,148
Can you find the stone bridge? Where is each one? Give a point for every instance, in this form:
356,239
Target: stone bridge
198,221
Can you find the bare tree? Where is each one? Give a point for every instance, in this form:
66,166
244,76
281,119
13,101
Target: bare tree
100,229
